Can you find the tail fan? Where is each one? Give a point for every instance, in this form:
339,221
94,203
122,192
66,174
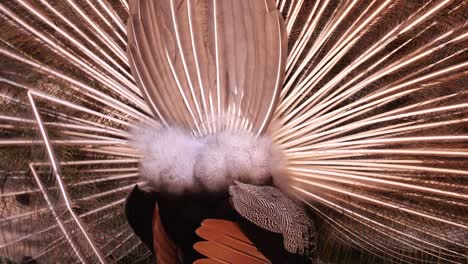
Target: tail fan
370,116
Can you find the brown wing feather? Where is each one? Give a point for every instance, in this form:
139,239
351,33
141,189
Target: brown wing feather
164,248
226,243
206,261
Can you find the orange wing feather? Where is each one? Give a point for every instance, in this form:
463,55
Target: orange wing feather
226,243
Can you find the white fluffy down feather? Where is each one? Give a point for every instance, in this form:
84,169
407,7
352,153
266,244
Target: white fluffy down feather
176,162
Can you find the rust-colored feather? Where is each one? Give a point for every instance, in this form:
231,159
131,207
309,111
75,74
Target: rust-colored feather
164,248
225,242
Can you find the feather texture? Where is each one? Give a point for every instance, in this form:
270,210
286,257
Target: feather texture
225,242
164,248
195,68
270,209
370,117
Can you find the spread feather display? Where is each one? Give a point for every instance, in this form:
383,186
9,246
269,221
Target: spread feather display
339,126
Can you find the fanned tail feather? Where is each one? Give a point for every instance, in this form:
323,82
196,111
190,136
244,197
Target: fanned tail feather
371,115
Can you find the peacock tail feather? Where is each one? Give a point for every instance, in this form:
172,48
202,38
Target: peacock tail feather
367,101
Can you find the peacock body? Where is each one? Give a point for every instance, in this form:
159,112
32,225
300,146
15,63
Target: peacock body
357,110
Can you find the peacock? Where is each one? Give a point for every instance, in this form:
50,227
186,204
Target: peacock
233,131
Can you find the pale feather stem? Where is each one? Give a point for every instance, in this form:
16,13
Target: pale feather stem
79,63
107,206
410,226
380,142
88,128
293,14
329,170
114,151
85,89
117,236
368,121
56,173
41,210
20,216
124,148
314,99
113,191
342,45
425,15
107,178
111,13
395,112
281,4
335,100
106,21
83,135
365,219
99,32
310,108
312,124
383,132
394,115
77,107
393,36
89,40
258,55
120,244
162,59
387,166
96,171
381,231
385,161
65,125
91,54
59,221
124,4
352,153
218,71
336,225
389,132
271,106
212,108
31,141
338,98
156,60
181,91
349,127
304,37
318,70
61,115
335,176
88,162
50,247
185,67
197,65
331,103
359,169
240,118
137,244
122,151
137,76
